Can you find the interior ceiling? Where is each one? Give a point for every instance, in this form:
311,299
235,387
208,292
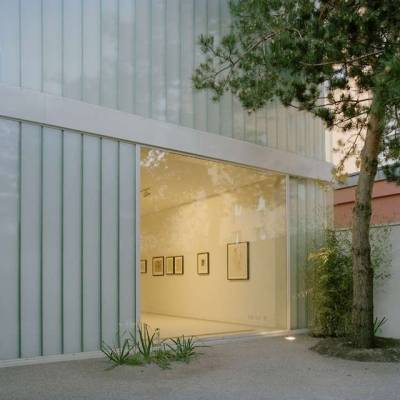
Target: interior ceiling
169,180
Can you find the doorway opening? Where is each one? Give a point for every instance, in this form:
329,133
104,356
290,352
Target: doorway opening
213,246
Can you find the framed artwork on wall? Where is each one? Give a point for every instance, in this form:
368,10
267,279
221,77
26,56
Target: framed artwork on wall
158,266
143,266
238,261
178,260
169,265
203,263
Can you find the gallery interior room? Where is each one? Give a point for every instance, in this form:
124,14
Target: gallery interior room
213,246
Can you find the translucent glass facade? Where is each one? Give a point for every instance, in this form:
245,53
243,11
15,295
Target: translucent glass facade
138,56
67,234
68,199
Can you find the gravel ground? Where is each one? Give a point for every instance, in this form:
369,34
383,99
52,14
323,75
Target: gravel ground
268,368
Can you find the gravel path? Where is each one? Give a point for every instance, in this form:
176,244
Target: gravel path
268,368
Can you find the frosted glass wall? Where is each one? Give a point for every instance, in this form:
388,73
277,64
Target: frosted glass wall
138,56
310,206
67,240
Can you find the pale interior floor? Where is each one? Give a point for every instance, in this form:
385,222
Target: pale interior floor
172,326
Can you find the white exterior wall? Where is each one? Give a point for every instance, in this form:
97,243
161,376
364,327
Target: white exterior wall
386,293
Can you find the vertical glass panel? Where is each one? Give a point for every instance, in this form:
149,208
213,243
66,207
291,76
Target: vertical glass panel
173,54
91,51
126,54
72,241
200,97
31,44
159,61
213,27
52,254
127,234
109,53
229,224
31,241
261,125
52,46
291,129
238,120
91,243
72,48
187,61
109,244
9,238
143,63
301,252
250,127
9,42
226,104
281,129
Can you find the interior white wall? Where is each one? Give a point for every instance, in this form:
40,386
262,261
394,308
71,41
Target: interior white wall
207,226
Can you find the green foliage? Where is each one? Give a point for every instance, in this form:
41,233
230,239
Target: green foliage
162,357
117,355
330,281
183,348
134,359
146,342
144,347
378,323
290,49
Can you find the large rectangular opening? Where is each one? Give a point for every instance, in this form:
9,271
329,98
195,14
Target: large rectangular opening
213,246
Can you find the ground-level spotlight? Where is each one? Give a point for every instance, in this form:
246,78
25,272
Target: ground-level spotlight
290,338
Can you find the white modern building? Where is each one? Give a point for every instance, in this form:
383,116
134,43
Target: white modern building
126,196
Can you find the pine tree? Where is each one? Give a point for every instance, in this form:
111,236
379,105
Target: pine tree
337,59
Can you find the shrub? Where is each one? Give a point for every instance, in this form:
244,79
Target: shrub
330,280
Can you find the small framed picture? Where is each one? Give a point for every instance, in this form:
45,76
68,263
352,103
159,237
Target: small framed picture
143,266
203,263
238,261
169,265
158,266
178,265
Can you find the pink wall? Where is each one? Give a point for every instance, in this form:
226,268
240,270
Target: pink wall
385,204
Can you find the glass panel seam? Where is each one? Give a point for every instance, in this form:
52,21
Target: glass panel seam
118,243
19,239
41,250
100,243
82,242
117,64
62,240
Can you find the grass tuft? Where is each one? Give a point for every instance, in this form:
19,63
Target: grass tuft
144,347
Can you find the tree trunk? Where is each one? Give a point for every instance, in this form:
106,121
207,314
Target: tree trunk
363,274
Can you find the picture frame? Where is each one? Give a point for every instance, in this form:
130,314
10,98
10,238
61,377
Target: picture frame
158,266
178,265
169,265
238,261
143,266
203,263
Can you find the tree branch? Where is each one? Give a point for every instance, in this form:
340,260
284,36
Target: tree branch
343,61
